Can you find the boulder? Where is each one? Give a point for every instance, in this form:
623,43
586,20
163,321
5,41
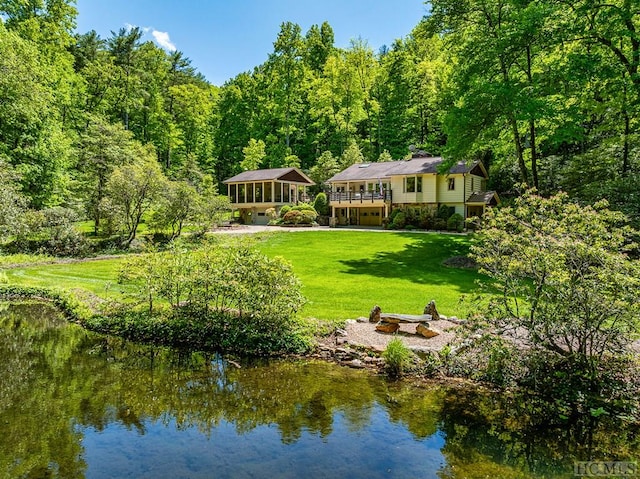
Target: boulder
387,327
426,331
374,316
431,309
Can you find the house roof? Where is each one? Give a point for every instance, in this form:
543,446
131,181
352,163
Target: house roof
484,198
415,166
293,175
366,171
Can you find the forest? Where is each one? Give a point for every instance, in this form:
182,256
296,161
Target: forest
545,92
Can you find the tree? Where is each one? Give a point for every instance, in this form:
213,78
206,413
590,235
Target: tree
133,188
253,155
13,203
351,155
175,206
101,148
31,134
565,285
326,166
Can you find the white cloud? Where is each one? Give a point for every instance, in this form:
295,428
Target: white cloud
162,39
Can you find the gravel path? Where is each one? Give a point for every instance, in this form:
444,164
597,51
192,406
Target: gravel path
365,334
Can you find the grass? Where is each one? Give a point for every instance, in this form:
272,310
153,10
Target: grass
344,273
97,276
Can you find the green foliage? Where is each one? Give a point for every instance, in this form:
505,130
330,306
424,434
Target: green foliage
444,212
321,204
325,167
69,304
351,155
455,222
284,210
13,203
50,231
177,205
399,220
132,189
237,298
565,281
397,357
385,156
253,155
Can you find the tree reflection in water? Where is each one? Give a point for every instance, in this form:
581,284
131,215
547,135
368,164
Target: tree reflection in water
61,388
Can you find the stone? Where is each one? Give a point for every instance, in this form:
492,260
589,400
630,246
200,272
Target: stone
374,316
362,319
431,309
426,331
387,327
341,332
356,364
341,340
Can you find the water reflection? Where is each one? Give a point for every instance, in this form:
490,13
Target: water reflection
75,404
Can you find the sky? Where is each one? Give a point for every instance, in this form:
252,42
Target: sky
226,37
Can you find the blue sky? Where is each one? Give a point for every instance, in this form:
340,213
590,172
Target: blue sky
226,37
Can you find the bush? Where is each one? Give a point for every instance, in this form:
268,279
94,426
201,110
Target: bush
399,221
321,204
445,212
439,224
284,210
397,357
50,231
301,214
222,297
455,222
303,207
293,217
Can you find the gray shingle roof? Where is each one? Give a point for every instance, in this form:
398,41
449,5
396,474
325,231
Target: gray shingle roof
414,166
366,171
291,174
484,197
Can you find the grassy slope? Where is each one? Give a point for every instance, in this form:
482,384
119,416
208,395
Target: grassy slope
344,273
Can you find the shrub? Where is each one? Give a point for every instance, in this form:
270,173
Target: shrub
321,204
221,297
455,222
284,210
397,357
439,224
425,220
444,212
399,221
51,231
271,214
303,207
569,285
300,214
293,217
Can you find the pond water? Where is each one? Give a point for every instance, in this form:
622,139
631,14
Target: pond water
74,404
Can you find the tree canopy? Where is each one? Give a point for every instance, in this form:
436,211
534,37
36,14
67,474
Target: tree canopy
544,92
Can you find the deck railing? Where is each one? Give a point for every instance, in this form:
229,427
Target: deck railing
359,197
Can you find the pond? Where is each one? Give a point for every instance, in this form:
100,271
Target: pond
74,404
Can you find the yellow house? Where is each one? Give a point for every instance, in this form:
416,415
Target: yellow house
366,193
252,193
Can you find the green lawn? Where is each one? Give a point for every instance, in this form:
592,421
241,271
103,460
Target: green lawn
344,273
98,276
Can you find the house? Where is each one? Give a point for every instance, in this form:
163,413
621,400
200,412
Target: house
252,193
366,193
